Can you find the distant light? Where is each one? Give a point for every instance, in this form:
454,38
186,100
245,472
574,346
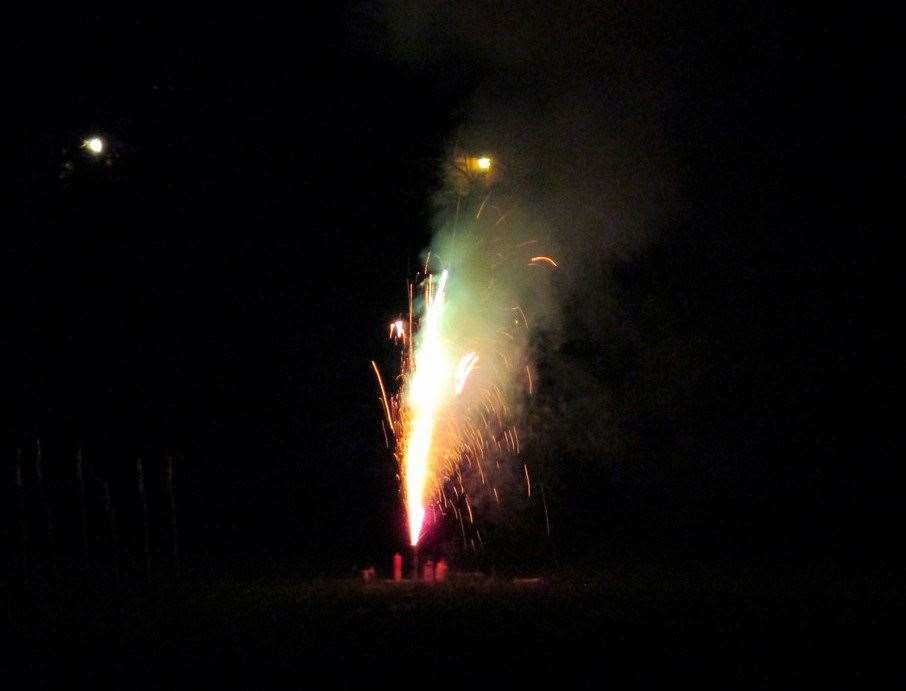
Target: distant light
94,144
476,166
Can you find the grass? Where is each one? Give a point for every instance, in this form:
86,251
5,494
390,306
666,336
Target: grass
632,624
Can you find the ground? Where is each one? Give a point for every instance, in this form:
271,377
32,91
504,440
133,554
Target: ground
632,624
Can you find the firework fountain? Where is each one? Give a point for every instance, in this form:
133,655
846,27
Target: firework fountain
453,411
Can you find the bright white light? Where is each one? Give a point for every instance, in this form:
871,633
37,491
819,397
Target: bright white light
94,144
484,163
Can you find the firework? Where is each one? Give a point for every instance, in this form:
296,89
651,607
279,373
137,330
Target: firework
463,373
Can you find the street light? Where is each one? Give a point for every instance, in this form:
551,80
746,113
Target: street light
478,164
94,145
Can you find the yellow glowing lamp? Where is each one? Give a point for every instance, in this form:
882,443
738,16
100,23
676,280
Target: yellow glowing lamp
95,145
479,164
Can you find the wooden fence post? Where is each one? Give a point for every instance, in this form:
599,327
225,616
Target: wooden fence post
48,515
171,499
114,536
140,476
23,518
83,509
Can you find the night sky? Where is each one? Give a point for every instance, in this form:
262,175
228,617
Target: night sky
215,284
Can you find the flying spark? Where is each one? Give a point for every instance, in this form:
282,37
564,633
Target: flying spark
537,260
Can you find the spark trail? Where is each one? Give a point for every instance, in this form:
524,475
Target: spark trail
464,371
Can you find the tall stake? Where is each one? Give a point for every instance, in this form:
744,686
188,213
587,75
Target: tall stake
23,518
140,475
83,509
111,526
48,516
174,532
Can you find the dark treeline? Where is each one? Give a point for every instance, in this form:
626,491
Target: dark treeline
71,522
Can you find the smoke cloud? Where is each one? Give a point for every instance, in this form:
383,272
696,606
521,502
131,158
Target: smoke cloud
569,101
569,104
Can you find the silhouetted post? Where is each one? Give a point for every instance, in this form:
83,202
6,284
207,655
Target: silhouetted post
48,516
23,517
171,499
83,509
414,562
140,477
111,526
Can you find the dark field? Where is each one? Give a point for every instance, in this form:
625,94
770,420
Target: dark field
633,625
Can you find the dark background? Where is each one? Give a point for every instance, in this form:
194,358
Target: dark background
216,284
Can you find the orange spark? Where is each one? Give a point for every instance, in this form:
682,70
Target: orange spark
536,260
398,330
383,396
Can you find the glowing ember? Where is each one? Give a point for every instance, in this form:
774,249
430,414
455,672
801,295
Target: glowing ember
398,330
